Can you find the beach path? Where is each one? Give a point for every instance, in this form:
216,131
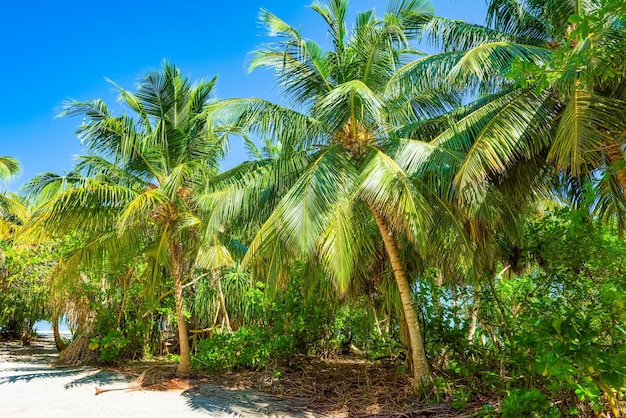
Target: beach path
30,386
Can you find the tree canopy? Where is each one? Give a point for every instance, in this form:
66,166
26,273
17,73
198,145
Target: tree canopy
458,215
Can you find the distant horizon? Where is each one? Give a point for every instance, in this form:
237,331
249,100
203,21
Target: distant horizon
45,326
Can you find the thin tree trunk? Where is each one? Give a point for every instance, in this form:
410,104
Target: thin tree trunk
616,156
184,367
436,293
125,282
25,338
58,341
421,372
225,317
474,316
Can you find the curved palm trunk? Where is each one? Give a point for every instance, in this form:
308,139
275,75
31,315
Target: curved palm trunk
184,367
421,372
58,341
616,156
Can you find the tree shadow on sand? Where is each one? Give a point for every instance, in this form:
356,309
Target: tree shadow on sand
36,362
36,373
100,378
239,402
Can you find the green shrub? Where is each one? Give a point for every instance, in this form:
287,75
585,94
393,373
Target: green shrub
249,348
108,346
527,403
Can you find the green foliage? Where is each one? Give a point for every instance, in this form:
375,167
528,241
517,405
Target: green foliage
556,331
527,403
568,318
24,293
251,347
284,325
108,346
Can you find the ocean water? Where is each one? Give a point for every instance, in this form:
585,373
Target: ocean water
45,328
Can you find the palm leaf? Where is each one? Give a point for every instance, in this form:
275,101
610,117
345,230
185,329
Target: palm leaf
388,189
9,167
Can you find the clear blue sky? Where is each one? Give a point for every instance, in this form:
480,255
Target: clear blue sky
52,51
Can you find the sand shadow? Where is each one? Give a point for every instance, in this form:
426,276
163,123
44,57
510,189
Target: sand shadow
36,361
240,402
100,378
42,373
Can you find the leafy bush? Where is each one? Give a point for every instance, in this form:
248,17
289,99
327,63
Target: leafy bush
109,346
283,326
250,347
527,403
550,339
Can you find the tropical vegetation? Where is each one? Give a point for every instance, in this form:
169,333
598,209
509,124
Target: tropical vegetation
457,217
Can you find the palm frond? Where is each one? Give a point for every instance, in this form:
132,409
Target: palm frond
301,215
214,255
9,167
583,131
388,189
293,129
142,207
336,246
334,13
352,100
494,59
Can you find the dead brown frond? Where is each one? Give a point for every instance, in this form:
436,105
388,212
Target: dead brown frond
157,378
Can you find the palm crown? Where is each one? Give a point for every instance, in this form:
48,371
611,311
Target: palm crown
336,175
133,193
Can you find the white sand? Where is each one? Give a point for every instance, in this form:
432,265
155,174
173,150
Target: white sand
31,387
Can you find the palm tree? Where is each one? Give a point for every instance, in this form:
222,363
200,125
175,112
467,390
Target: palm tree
548,82
133,193
335,176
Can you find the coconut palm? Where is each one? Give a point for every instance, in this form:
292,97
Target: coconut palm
335,176
549,81
132,194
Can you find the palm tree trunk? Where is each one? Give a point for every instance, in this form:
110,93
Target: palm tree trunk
421,372
616,156
184,367
58,341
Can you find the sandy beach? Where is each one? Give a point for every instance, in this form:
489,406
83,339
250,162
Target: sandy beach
30,386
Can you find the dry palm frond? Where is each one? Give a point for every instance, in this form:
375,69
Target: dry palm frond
157,378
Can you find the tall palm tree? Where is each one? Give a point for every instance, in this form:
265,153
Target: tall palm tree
548,79
335,176
133,192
